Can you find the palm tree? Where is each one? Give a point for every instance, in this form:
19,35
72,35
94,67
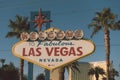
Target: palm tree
96,71
104,78
106,20
9,72
2,61
73,66
113,73
40,77
6,70
18,26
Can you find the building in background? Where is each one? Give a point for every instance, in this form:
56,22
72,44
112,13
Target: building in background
83,74
54,75
84,69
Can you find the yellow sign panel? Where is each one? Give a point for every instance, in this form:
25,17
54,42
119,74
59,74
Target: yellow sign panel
53,54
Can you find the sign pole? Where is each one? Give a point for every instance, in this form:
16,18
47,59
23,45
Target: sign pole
30,65
47,72
30,71
47,13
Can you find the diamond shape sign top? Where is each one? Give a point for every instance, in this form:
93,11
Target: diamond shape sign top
40,20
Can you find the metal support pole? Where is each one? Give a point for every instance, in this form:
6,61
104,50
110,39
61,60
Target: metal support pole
30,65
30,71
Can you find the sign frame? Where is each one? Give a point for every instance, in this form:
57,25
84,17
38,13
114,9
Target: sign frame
44,66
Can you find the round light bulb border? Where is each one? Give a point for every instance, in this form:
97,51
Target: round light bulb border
52,35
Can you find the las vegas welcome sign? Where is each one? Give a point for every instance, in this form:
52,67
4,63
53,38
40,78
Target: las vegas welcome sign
53,54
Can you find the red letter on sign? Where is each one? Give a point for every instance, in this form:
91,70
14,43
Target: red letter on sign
79,50
38,52
49,52
72,52
24,52
64,51
31,52
56,50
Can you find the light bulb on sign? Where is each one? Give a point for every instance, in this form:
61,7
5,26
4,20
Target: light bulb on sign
79,34
33,36
42,35
69,34
60,35
24,36
51,35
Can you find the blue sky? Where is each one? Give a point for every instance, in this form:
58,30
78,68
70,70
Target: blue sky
66,14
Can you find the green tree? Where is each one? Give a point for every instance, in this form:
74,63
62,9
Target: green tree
113,73
105,20
17,26
73,66
40,77
96,71
2,61
104,78
9,72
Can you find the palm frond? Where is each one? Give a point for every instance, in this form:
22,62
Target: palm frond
12,24
18,19
112,16
17,26
96,70
95,30
24,20
117,25
113,72
96,19
91,71
74,66
100,70
105,17
12,34
98,14
112,26
92,24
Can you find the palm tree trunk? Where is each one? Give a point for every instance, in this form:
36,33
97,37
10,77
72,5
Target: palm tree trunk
97,76
61,73
21,68
107,49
